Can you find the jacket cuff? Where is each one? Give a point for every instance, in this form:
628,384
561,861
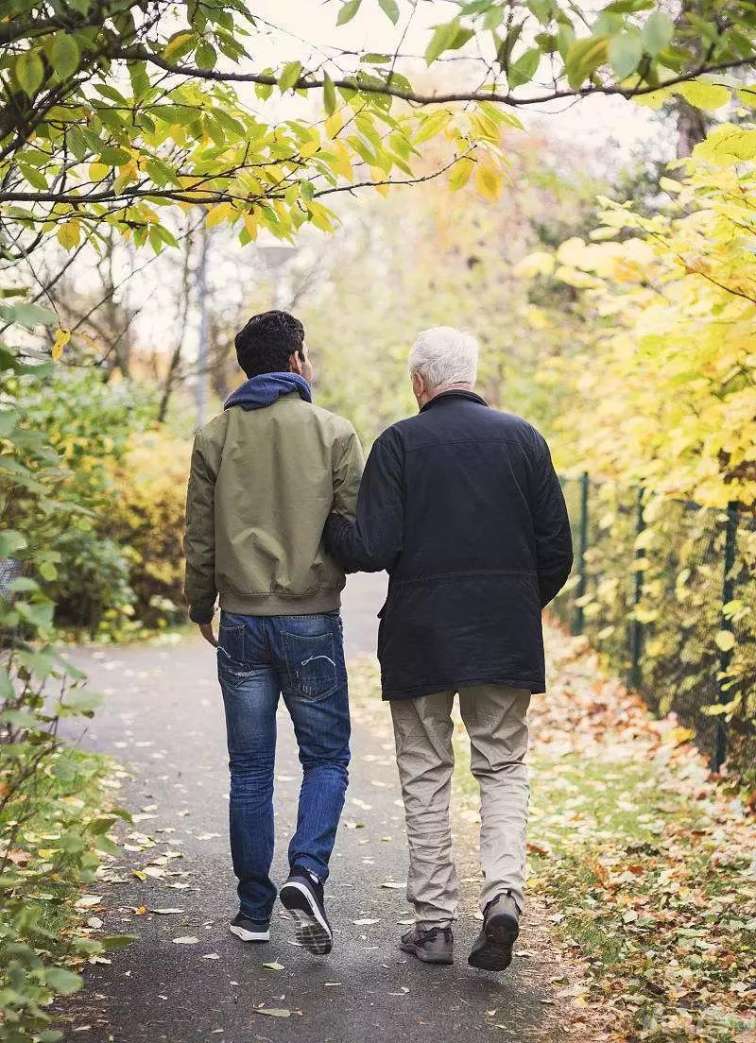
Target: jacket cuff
201,613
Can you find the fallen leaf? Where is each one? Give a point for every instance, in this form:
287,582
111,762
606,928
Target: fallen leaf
187,939
392,886
364,923
211,956
274,1012
166,912
87,901
274,966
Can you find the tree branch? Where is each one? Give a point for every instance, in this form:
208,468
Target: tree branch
387,89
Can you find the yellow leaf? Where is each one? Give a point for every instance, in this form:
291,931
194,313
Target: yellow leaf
334,124
725,640
62,338
219,213
69,234
460,173
343,163
678,736
97,171
538,263
704,95
250,224
488,181
176,43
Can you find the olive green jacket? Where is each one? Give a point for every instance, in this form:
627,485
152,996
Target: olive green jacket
262,484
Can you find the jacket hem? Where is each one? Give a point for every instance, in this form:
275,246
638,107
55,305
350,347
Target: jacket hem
535,687
282,604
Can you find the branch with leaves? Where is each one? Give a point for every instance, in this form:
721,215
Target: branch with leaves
115,117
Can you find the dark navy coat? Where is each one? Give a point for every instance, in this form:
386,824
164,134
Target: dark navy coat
462,507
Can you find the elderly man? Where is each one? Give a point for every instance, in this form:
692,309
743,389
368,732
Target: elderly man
462,506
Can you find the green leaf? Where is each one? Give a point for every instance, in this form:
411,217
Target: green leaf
140,81
10,542
81,702
541,9
6,685
291,73
625,51
64,55
584,57
391,9
329,94
30,315
8,420
205,55
442,40
348,11
524,69
29,71
22,719
657,32
118,941
39,614
62,981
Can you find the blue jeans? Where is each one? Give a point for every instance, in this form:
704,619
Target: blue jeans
302,657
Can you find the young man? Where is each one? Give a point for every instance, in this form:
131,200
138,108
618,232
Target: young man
264,475
462,506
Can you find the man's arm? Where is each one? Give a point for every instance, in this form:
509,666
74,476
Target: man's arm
347,474
552,526
199,539
374,540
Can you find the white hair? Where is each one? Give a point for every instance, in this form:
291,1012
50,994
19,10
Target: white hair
443,355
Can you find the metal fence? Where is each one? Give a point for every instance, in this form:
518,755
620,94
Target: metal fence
650,593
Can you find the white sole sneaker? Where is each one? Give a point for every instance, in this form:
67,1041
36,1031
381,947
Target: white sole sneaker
311,927
249,936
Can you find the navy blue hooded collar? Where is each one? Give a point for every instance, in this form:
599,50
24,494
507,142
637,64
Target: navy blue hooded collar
266,388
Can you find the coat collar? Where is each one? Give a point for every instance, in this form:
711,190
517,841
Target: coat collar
454,393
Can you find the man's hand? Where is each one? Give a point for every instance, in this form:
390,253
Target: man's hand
206,629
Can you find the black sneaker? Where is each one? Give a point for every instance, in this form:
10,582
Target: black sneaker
302,897
248,930
434,945
492,950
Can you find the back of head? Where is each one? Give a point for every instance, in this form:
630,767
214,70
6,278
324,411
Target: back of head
443,356
268,341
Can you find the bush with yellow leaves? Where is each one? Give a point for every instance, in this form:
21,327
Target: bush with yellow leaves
663,398
147,521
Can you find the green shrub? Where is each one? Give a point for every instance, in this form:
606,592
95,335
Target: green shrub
52,801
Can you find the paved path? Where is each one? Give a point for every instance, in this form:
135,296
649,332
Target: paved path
163,721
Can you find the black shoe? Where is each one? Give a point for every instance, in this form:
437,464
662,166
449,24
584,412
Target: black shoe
248,930
434,945
302,896
492,950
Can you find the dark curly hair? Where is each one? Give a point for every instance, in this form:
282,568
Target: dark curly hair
267,342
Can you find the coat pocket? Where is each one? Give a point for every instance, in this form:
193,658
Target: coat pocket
311,664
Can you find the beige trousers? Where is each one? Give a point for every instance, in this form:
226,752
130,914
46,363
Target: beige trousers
495,719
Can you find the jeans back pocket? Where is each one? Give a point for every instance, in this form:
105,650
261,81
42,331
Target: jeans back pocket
311,664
